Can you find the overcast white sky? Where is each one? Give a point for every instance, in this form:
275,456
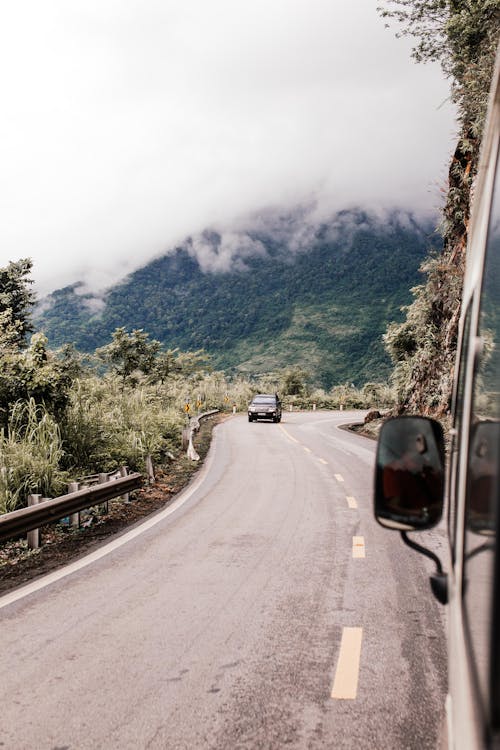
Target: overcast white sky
128,124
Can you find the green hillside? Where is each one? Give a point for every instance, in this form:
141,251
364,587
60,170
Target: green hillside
323,307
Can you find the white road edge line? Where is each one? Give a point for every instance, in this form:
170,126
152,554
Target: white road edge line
345,685
46,580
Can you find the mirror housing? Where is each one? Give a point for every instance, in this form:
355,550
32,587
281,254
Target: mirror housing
409,474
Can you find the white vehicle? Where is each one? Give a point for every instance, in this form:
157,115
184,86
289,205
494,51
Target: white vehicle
410,476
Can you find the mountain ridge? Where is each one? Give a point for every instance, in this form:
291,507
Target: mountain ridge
273,300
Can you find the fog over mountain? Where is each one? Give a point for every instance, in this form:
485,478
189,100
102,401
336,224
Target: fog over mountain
129,127
285,289
227,247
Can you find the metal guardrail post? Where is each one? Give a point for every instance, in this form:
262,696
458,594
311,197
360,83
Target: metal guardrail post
149,469
187,433
74,519
26,519
191,453
124,473
103,478
33,536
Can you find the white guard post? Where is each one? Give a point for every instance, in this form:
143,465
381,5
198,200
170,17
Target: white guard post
194,426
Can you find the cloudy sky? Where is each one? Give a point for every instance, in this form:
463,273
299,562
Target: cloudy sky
128,124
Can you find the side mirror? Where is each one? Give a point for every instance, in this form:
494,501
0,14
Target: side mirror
409,474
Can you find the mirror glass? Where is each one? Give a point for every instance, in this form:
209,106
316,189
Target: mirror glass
409,474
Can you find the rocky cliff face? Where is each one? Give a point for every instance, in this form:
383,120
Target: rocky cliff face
464,39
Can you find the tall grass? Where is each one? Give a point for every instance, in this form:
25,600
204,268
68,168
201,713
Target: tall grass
141,424
83,427
106,424
30,455
205,391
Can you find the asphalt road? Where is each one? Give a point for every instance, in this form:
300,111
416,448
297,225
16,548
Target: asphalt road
264,609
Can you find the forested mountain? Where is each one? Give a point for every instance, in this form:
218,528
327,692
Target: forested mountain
317,297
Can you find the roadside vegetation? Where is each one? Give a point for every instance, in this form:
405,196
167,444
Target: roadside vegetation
463,38
64,415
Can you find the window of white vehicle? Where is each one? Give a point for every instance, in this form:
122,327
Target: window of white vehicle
458,416
481,516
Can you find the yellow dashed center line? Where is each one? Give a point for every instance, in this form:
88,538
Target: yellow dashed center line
345,686
288,435
358,546
305,448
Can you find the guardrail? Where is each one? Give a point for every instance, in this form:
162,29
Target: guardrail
45,511
188,432
49,511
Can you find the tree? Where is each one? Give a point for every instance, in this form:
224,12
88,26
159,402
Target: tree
16,296
129,354
32,373
10,364
294,382
27,371
191,362
175,362
166,364
47,379
463,37
72,361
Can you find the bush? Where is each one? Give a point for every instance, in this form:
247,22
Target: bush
108,424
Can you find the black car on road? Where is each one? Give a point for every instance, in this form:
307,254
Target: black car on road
265,406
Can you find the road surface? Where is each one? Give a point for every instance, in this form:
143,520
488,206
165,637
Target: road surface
264,609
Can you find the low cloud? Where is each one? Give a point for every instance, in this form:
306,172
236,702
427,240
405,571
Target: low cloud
95,304
128,128
222,248
225,251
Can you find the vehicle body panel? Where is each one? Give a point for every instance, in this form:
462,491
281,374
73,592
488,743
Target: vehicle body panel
472,583
468,712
